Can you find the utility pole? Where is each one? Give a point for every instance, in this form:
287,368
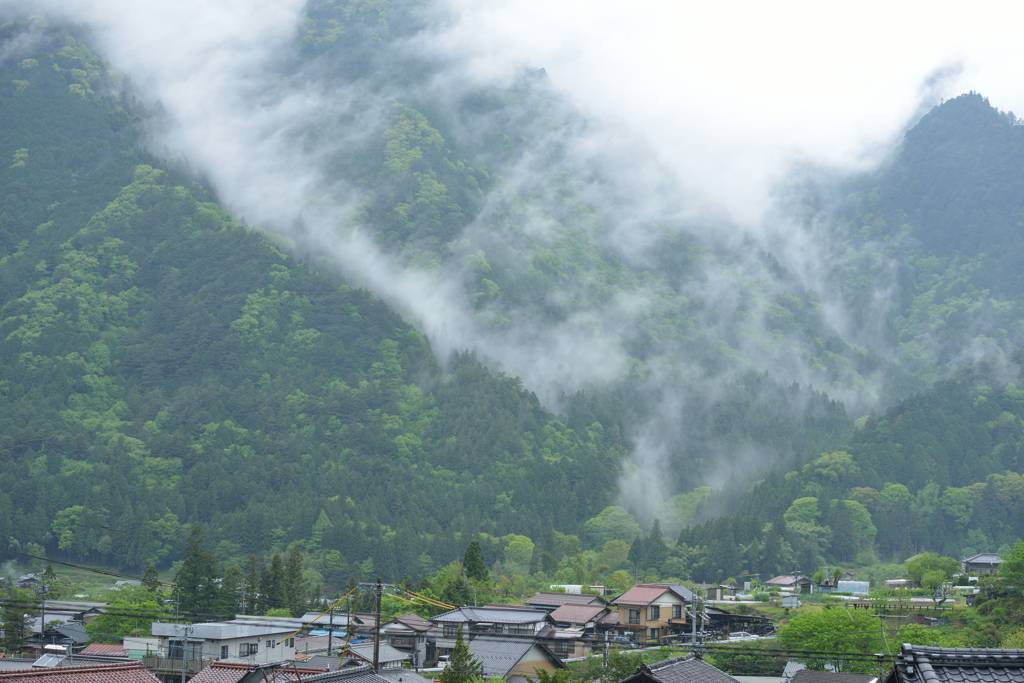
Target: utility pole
606,649
330,632
378,590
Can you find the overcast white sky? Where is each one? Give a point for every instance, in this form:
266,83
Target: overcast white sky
731,92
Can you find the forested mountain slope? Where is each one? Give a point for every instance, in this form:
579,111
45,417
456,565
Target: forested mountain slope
940,471
162,366
938,233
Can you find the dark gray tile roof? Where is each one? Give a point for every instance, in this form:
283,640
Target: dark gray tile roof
687,669
919,664
491,615
808,676
348,674
498,654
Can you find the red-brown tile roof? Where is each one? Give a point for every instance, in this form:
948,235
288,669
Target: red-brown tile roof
105,650
578,614
222,672
122,672
640,595
610,618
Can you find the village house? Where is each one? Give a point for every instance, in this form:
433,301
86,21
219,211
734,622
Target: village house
412,634
251,639
114,672
791,582
513,659
550,601
476,621
982,563
653,611
387,656
921,664
689,668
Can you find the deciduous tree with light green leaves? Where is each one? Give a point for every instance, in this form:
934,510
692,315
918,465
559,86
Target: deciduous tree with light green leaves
131,612
836,631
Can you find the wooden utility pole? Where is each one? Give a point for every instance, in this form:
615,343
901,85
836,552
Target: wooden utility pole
378,589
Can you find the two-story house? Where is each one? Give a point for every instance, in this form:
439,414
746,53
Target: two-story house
413,634
256,640
516,621
654,610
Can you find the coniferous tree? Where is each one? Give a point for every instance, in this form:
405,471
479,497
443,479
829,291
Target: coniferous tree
151,579
462,666
294,585
656,550
195,584
473,562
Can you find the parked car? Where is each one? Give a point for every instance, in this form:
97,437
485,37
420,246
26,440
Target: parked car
743,635
443,661
624,642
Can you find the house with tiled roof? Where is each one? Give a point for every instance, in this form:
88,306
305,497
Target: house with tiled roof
513,658
579,616
413,634
550,600
242,672
808,676
105,650
792,582
920,664
651,611
689,668
387,656
498,620
120,672
982,563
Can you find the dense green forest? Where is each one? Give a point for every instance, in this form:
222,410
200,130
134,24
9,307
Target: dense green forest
940,471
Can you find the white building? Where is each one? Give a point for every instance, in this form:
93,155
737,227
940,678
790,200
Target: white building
258,640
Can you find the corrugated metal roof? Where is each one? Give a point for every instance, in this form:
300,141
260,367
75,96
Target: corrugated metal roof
578,614
808,676
640,595
547,598
414,621
15,664
491,615
222,630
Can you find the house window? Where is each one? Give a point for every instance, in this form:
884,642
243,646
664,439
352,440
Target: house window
632,616
654,633
450,630
223,651
562,648
243,650
291,642
254,648
655,612
677,611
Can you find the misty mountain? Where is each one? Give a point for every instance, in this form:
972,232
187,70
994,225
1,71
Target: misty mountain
464,307
937,231
162,365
